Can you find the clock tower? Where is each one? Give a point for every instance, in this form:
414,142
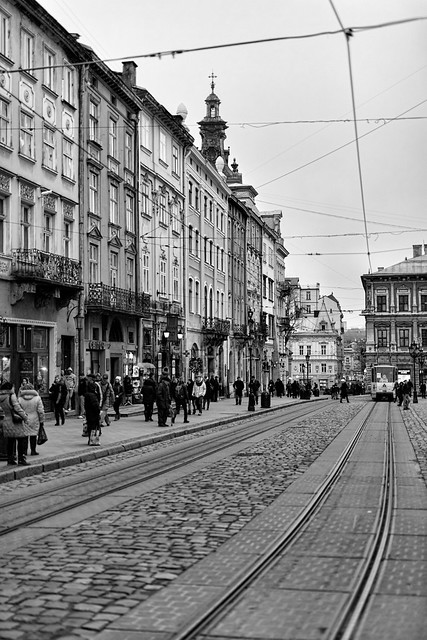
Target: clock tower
212,129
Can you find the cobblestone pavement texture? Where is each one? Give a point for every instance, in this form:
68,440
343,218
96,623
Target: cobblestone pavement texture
78,581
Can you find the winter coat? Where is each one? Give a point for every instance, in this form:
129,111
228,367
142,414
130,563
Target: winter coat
127,385
163,398
238,387
107,397
148,391
10,428
59,393
181,393
199,389
92,408
32,404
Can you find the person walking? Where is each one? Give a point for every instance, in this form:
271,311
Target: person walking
93,408
181,398
208,394
128,390
70,382
163,398
344,391
81,390
280,388
107,399
16,433
118,396
58,393
199,391
191,400
406,390
238,387
423,389
148,397
32,404
254,386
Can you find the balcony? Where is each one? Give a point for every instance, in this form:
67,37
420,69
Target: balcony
215,331
46,268
102,297
239,330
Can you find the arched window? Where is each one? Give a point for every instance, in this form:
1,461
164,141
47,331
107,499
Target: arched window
190,295
210,303
205,305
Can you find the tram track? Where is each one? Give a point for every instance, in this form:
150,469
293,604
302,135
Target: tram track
348,616
99,482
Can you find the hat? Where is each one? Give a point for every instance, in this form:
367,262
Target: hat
165,371
69,370
105,376
118,378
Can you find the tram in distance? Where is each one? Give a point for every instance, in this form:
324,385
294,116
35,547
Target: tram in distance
384,377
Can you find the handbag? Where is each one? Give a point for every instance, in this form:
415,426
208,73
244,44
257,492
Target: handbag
94,437
84,432
41,436
16,418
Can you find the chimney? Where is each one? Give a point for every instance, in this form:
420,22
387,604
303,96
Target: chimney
380,268
417,250
129,73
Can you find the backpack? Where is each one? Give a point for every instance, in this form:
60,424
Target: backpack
179,390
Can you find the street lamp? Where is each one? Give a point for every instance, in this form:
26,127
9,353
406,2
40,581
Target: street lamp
307,359
250,341
414,352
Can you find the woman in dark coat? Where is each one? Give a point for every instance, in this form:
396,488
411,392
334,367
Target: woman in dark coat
118,396
15,434
92,407
58,393
148,397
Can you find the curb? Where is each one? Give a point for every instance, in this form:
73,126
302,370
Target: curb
128,445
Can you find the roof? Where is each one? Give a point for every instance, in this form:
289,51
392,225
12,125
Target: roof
411,266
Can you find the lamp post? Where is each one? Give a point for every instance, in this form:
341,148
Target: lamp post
250,341
307,359
414,352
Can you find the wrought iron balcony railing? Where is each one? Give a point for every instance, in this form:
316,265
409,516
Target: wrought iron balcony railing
239,330
39,266
105,298
216,325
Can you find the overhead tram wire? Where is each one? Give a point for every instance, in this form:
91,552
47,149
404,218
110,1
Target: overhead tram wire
175,52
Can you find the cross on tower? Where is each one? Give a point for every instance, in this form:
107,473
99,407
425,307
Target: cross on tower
212,76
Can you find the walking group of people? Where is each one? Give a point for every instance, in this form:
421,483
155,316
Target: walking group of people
22,417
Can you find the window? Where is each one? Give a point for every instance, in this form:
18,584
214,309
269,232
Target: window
190,295
93,121
47,233
67,239
146,272
93,263
114,268
49,148
381,303
67,159
323,349
130,273
403,301
301,368
162,147
197,199
49,68
4,33
190,193
175,282
68,84
424,337
4,122
382,337
26,135
270,289
308,308
162,209
26,223
94,192
423,303
130,215
308,295
197,298
205,249
323,327
222,260
264,286
404,337
27,51
145,131
128,151
145,198
210,210
175,160
2,224
190,239
176,222
211,253
309,349
323,367
162,276
112,138
114,203
196,243
301,349
205,206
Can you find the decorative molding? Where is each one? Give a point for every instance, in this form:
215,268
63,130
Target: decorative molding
27,192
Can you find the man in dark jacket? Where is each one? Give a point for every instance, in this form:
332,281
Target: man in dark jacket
181,397
163,398
148,397
238,387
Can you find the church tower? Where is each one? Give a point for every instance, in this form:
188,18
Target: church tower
212,129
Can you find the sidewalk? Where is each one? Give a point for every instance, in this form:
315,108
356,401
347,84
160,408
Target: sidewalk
66,446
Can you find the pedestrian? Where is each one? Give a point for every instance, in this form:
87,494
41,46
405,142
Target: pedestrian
128,390
199,391
148,397
70,383
399,394
81,390
215,388
254,386
93,408
280,388
191,399
423,389
118,396
163,398
271,388
344,391
107,399
238,386
58,393
181,398
32,404
16,433
208,394
406,390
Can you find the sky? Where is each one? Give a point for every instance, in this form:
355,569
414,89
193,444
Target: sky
347,209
